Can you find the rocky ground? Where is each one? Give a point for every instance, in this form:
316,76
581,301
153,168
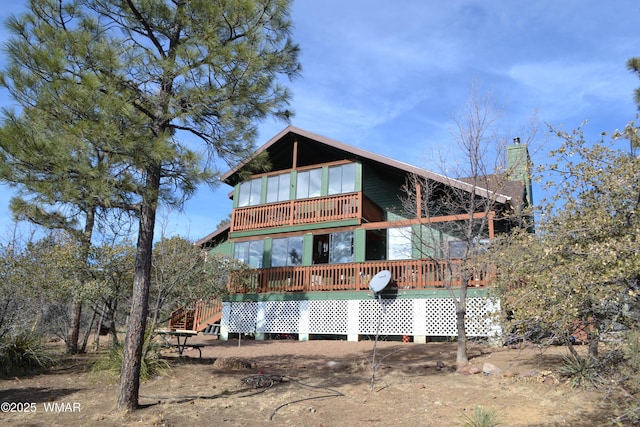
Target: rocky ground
316,383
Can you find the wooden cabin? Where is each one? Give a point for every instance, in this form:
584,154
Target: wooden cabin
324,221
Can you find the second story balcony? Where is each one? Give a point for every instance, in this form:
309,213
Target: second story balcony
349,206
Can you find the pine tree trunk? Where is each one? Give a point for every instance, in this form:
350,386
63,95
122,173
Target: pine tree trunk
134,339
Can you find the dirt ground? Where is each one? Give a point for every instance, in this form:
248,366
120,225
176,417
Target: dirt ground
314,383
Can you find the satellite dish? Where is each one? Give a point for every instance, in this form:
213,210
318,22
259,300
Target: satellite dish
380,281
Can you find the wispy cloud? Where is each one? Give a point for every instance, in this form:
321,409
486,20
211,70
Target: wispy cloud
563,89
388,76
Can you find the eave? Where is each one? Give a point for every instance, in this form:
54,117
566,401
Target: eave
231,177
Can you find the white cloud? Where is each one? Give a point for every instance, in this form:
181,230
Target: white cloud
562,88
387,76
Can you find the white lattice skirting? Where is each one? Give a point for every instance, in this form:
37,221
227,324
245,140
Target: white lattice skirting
413,317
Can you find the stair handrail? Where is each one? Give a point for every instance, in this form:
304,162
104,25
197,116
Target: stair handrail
205,309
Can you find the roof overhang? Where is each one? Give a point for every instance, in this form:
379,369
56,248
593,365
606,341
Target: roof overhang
230,177
219,232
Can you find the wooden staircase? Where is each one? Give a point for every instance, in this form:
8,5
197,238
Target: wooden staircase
197,316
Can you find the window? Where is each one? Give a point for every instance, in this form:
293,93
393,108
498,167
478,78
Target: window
458,248
250,192
375,245
399,243
320,248
286,252
308,183
341,247
342,179
250,252
334,248
278,188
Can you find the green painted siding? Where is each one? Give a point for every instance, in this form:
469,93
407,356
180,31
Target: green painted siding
359,245
358,176
324,186
426,240
292,184
384,191
307,249
236,196
224,248
263,190
266,257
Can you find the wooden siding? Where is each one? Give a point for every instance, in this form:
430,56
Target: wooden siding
385,190
406,274
305,212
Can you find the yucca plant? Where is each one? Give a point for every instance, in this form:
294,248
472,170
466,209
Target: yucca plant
110,364
24,353
581,371
482,417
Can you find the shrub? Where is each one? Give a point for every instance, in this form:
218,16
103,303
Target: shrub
482,417
110,364
582,371
630,379
23,353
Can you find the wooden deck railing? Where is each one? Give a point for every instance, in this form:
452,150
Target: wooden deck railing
409,274
182,318
205,311
196,315
307,211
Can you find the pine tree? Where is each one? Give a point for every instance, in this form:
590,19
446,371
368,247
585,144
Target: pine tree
161,73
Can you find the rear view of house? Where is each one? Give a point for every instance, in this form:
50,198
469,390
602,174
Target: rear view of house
327,218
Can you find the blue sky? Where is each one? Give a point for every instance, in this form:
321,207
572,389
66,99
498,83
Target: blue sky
388,76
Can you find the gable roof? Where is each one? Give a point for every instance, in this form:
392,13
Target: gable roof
332,149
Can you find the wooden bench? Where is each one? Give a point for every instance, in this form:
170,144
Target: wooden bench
199,347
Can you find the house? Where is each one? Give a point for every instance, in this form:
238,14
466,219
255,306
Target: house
328,217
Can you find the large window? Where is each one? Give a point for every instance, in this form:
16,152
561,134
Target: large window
342,179
334,248
278,188
341,247
286,252
399,243
250,192
250,252
309,183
